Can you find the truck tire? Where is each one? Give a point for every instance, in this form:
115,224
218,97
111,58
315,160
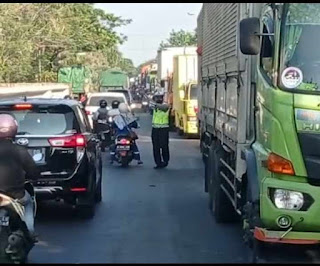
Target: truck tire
221,206
251,219
206,176
179,131
209,174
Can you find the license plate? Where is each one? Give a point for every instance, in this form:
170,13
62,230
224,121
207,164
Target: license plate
123,148
4,221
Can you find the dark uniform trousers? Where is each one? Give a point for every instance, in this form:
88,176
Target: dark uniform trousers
160,142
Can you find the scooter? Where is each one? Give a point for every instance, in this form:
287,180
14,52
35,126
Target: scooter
123,151
15,239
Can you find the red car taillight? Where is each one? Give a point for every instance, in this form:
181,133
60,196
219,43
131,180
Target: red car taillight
69,141
88,112
78,189
23,106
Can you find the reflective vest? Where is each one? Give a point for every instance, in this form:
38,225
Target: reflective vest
160,119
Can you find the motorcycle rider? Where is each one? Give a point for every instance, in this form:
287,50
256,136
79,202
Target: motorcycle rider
16,166
115,109
100,124
123,124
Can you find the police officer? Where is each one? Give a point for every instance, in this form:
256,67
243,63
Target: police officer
160,131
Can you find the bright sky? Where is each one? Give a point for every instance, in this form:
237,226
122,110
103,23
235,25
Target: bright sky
151,23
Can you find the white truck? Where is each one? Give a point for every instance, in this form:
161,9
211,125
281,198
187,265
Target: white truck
34,90
165,62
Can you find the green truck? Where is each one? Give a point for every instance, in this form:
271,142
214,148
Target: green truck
113,79
259,118
79,77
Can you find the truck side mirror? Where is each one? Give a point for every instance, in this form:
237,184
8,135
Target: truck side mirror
182,94
249,36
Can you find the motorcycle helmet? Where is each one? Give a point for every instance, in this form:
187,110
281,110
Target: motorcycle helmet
8,126
123,108
103,103
158,97
115,104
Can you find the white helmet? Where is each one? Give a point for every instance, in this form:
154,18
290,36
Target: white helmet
123,108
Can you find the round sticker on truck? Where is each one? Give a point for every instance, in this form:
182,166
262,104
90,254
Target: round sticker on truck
291,77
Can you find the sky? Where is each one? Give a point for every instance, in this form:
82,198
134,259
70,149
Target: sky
151,24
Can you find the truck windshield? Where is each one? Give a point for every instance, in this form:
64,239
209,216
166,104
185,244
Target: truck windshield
300,43
193,92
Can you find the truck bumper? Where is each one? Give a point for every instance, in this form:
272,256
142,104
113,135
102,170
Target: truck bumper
192,127
299,238
305,223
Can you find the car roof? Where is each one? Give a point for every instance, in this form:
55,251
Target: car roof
120,94
39,101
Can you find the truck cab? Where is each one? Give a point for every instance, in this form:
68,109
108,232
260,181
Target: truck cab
260,118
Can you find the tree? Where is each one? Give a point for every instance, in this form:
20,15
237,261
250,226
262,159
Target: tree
37,39
180,38
127,66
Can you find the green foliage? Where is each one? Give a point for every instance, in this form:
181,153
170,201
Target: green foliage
303,13
39,38
180,38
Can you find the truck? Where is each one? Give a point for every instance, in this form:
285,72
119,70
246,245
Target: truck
165,62
34,90
259,118
79,77
184,94
113,79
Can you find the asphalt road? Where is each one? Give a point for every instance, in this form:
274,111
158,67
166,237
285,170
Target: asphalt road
147,216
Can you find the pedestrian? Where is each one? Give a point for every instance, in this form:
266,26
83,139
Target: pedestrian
84,99
160,131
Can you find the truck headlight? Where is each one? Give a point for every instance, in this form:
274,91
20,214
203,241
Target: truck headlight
289,200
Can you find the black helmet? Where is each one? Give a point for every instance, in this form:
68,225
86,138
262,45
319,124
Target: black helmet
103,103
115,104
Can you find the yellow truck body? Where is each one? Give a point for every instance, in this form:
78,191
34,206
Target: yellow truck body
184,93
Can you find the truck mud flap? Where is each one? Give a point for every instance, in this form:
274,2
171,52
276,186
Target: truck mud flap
252,173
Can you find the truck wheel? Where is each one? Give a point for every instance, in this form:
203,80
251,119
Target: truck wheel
206,176
222,207
250,219
179,131
209,175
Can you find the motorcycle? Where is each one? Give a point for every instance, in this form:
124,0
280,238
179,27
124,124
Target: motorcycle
15,240
104,133
124,153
